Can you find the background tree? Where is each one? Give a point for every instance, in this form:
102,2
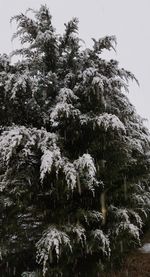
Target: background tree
74,155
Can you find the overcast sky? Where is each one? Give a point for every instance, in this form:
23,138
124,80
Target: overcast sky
128,20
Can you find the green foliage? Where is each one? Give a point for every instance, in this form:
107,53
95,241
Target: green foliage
74,155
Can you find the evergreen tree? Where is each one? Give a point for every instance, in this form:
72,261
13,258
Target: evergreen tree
74,155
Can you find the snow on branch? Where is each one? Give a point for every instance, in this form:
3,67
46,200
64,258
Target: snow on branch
62,110
9,141
46,163
83,168
87,170
92,216
66,95
108,121
71,26
88,73
70,175
64,107
44,37
51,155
4,62
107,42
53,242
137,218
25,25
127,222
16,136
130,229
78,233
127,75
17,83
28,139
100,242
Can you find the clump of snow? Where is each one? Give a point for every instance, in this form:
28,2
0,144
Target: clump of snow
66,95
46,163
106,121
128,222
88,73
51,154
98,80
17,136
106,42
92,216
62,110
64,106
101,240
145,248
130,228
86,168
9,142
137,218
53,240
44,37
80,233
70,175
110,121
29,274
16,82
84,119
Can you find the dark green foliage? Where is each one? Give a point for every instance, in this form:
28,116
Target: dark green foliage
74,155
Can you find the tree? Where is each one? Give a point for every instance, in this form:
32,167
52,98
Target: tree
74,155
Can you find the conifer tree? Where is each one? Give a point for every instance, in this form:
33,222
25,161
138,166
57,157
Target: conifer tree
74,155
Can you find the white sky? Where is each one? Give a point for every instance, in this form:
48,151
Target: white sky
128,20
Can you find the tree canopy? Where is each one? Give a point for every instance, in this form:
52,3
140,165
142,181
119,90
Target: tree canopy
74,155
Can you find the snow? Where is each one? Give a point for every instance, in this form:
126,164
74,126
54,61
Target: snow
70,175
122,214
16,136
99,80
88,73
138,199
64,106
102,241
127,221
9,142
44,37
4,61
95,104
80,233
51,155
66,95
62,110
29,274
130,228
93,216
137,218
145,248
83,166
84,119
110,121
28,138
105,120
53,240
86,168
16,82
46,163
136,145
106,42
